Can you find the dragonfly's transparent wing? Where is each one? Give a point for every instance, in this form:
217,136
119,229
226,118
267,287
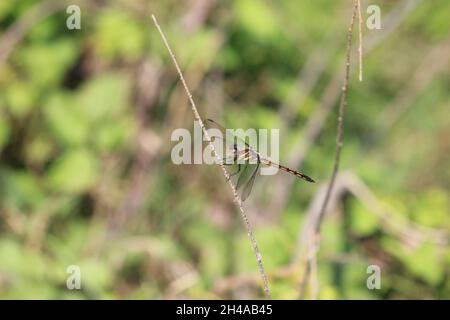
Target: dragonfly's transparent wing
210,123
240,151
224,142
213,125
226,134
243,175
249,185
223,146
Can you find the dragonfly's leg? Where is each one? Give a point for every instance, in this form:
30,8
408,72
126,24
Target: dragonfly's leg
237,171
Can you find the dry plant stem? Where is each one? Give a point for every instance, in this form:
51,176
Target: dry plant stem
237,199
339,142
316,121
340,127
391,22
148,80
360,49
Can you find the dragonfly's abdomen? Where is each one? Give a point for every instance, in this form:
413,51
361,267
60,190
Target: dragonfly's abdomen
298,174
289,170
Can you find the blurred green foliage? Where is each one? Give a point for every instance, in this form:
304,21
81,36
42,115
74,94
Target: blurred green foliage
85,171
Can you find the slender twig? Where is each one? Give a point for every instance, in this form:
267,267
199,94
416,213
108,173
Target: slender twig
340,126
339,143
360,48
314,126
237,198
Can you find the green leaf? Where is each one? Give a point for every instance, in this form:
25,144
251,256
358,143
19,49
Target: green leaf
20,98
57,56
117,34
39,149
363,222
20,189
103,96
75,171
65,121
113,135
424,262
256,17
96,275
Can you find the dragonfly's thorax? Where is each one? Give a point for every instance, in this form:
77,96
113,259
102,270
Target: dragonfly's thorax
245,155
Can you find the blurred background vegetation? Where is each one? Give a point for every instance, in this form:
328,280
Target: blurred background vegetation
86,177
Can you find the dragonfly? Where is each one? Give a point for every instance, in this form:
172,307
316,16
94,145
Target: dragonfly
248,160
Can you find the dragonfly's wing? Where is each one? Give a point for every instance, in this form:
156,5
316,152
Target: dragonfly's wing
223,145
242,176
210,123
247,173
223,141
226,134
248,187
